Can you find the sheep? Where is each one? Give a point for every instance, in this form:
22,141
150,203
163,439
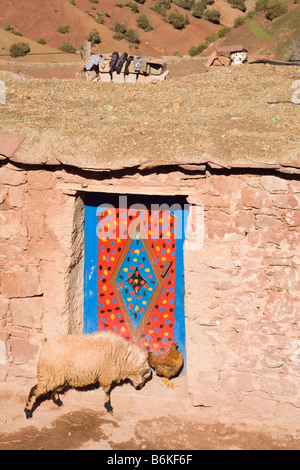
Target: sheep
75,361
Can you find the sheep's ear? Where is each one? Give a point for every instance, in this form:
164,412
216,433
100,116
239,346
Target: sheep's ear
145,373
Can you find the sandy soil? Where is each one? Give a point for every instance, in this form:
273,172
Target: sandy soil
154,418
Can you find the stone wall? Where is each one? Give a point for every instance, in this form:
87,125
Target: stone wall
244,329
242,286
37,242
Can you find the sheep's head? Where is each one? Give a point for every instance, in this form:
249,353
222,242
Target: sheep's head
139,379
136,366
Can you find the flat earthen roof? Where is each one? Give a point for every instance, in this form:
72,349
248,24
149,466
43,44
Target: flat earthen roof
219,119
235,48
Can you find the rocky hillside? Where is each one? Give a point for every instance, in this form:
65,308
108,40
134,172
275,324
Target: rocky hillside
58,21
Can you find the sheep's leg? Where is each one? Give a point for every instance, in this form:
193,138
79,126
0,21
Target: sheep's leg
107,403
34,393
31,401
56,399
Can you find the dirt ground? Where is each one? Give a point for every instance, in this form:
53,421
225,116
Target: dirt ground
152,419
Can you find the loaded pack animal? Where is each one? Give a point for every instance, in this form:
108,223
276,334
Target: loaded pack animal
76,361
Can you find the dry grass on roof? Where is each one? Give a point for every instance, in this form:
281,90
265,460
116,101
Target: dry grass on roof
220,117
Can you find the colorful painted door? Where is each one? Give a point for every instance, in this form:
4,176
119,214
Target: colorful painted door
134,274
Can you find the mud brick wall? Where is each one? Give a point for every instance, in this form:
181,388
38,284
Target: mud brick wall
244,329
242,286
37,246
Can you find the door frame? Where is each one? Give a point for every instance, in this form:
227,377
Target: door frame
92,202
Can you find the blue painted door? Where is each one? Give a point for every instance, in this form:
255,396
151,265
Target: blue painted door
134,272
